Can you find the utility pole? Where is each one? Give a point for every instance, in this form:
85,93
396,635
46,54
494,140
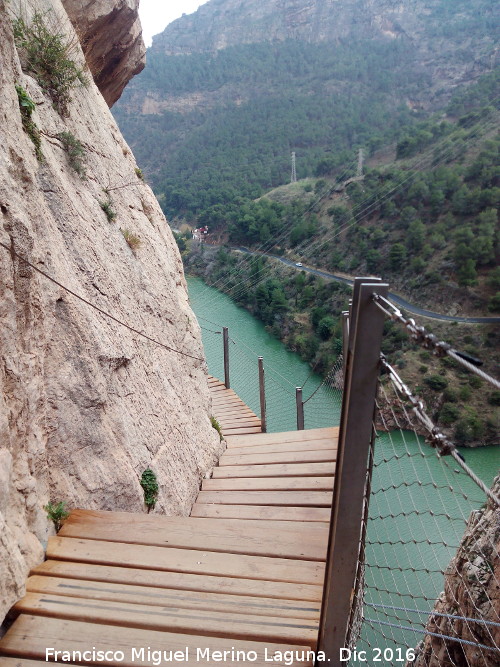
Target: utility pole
361,158
294,169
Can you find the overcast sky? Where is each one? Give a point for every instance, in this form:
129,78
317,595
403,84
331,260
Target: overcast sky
157,14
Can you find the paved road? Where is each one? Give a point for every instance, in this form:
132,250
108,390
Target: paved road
415,310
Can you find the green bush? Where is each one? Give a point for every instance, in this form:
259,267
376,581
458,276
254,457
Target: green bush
494,398
133,240
325,327
436,382
107,207
465,393
450,395
216,426
449,414
494,303
57,513
397,256
26,107
475,381
48,53
74,151
149,485
469,428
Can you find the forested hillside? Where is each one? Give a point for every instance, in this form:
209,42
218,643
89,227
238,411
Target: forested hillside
426,221
251,82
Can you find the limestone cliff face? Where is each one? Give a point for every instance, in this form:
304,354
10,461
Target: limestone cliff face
436,32
85,404
472,590
111,37
222,23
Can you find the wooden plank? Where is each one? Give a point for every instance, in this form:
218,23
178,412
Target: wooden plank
286,436
231,403
269,484
179,580
235,410
322,469
240,431
308,456
237,413
243,423
223,415
231,537
226,399
164,619
223,409
218,391
215,386
284,447
227,403
243,426
29,637
244,420
262,512
240,423
186,560
161,597
291,498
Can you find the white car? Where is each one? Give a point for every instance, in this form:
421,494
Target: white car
298,263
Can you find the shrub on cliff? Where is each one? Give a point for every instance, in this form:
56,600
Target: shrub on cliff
26,107
47,53
74,151
150,487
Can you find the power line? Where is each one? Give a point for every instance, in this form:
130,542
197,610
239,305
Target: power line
14,253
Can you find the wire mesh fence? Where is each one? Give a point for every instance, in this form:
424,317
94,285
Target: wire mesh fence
431,568
323,403
420,506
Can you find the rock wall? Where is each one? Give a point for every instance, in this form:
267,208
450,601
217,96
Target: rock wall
472,590
218,24
86,404
111,37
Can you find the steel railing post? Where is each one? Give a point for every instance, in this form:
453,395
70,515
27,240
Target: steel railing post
262,395
300,408
225,338
345,338
355,439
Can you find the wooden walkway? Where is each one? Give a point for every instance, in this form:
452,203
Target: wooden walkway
244,572
234,416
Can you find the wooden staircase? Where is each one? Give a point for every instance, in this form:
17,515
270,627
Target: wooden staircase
244,572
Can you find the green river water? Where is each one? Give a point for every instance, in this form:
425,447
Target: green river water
419,503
